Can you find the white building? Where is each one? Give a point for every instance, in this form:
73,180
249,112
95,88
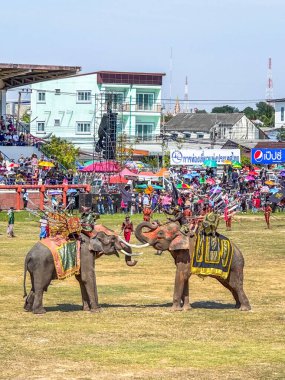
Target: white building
73,107
279,113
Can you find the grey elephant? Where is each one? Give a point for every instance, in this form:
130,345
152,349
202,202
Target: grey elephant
169,237
40,264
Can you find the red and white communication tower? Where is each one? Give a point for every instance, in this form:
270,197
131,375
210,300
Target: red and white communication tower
269,87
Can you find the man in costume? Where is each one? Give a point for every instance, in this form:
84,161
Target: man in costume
127,228
178,216
267,211
147,211
88,218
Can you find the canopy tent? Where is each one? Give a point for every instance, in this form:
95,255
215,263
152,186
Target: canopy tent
163,172
128,173
117,179
102,167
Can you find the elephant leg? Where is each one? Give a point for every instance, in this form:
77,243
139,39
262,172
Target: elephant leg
178,288
29,301
235,281
233,291
89,281
40,284
85,299
38,302
185,296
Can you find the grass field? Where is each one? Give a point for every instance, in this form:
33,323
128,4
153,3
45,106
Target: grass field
137,336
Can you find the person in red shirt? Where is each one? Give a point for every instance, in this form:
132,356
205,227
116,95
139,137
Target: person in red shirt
228,218
147,211
127,228
267,211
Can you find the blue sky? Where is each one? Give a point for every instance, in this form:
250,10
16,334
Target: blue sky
221,45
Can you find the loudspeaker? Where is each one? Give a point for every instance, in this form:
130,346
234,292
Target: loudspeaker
85,200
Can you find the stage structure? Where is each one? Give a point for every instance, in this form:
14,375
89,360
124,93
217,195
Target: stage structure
107,133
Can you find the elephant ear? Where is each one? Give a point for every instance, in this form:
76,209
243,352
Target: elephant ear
179,242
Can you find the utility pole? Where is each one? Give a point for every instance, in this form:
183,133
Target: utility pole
19,106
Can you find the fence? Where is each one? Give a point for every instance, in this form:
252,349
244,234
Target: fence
11,196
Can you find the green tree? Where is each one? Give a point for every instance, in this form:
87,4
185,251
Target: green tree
281,134
168,117
152,161
63,151
124,149
245,161
225,109
200,111
250,113
26,118
265,112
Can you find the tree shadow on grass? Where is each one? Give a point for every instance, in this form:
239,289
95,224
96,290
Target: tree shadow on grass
212,305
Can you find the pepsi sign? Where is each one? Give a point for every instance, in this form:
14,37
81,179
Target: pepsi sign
267,156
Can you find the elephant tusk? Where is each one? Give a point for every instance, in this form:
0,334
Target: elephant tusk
134,245
131,254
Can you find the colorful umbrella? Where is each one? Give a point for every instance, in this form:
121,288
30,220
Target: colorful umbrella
13,165
270,183
253,173
210,163
249,178
46,164
227,162
210,181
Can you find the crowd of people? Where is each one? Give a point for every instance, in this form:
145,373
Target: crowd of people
34,170
9,135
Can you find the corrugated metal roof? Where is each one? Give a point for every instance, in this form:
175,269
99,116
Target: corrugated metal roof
201,122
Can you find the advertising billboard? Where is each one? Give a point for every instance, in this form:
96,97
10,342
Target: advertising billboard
196,157
267,156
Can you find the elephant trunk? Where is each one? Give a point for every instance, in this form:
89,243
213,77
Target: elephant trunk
128,259
138,231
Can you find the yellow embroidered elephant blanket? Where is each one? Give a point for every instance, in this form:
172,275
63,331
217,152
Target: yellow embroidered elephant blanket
212,256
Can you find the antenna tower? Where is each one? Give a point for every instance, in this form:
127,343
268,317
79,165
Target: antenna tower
269,87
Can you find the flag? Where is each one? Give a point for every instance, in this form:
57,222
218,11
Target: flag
277,197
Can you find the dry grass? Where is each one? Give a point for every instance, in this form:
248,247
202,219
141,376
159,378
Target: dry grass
137,336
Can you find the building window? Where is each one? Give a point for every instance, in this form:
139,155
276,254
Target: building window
57,122
40,127
41,97
114,101
144,131
83,96
282,113
83,128
145,102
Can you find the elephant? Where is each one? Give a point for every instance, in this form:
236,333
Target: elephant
169,237
39,263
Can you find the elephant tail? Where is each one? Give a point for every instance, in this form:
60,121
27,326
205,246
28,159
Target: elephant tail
25,275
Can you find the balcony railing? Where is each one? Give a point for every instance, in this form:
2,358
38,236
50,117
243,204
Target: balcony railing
127,107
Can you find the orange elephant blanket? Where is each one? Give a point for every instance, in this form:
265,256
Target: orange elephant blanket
66,255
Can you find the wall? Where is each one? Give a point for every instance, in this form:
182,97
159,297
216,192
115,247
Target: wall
278,122
8,199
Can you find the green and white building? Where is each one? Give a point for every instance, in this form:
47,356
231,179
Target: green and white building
72,108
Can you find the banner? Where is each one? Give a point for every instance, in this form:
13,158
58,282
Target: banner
267,156
196,157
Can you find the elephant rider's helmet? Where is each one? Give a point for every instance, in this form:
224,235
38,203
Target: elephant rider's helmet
210,223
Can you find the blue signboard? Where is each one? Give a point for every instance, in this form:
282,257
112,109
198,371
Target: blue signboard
267,156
